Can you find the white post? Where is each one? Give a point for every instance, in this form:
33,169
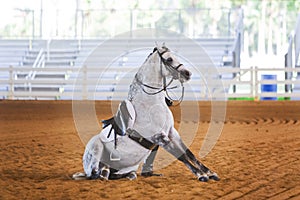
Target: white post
48,49
252,92
11,83
84,84
256,95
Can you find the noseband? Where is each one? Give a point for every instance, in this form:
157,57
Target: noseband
173,70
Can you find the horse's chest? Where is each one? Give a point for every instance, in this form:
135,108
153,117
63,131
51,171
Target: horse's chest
153,118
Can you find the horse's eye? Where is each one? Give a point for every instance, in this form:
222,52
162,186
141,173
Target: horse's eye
169,60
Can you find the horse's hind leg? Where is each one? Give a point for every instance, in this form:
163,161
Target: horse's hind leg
95,174
79,176
105,171
102,172
131,175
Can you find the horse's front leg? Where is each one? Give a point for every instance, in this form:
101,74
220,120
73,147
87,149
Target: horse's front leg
174,147
196,162
147,168
212,175
199,173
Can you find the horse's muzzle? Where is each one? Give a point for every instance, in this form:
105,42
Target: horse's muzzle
186,74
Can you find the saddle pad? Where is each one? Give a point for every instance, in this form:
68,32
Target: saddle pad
105,132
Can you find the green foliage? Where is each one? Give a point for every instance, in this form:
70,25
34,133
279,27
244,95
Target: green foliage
293,5
194,18
237,3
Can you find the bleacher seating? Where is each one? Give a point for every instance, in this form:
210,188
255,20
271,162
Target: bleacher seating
12,52
73,54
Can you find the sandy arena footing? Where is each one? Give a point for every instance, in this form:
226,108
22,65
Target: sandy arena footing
257,155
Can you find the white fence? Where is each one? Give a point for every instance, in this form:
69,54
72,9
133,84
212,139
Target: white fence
96,83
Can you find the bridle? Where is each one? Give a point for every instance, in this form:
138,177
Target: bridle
165,87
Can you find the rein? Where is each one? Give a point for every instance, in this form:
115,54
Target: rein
165,84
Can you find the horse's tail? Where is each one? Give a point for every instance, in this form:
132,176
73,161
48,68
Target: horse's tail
92,155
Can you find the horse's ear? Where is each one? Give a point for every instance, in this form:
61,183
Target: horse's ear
155,49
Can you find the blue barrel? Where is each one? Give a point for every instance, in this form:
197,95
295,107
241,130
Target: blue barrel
268,87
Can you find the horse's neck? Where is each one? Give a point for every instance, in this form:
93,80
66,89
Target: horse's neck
150,72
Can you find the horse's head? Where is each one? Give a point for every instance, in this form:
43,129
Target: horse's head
171,67
160,65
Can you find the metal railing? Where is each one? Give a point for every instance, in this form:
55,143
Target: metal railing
86,84
39,62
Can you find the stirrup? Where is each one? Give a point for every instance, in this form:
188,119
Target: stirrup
114,155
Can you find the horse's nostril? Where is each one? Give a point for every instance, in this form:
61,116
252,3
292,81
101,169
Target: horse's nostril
187,73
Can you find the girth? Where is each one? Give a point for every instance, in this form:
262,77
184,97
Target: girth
135,136
132,134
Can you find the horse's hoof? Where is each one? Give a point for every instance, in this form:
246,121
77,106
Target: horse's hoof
149,174
95,174
214,177
79,176
131,176
146,174
203,178
157,174
104,174
103,178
